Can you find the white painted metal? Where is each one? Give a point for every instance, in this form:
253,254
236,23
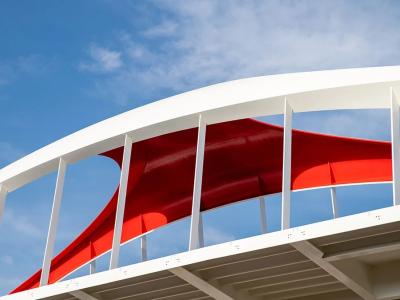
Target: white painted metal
263,215
81,295
307,232
310,91
119,217
395,130
369,250
367,88
335,212
357,285
195,231
143,247
287,164
3,196
92,267
201,230
199,283
55,211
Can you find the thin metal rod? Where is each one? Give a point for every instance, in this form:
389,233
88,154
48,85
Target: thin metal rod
395,131
55,212
335,212
92,267
3,196
287,162
143,247
119,216
263,215
195,232
201,230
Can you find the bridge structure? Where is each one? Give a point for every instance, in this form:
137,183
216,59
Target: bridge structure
218,156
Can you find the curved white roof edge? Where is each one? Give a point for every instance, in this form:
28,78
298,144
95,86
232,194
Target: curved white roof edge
250,97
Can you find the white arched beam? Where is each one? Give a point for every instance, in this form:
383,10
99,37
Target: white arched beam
3,196
395,130
246,98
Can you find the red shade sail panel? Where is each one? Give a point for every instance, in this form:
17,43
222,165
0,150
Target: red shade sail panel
243,159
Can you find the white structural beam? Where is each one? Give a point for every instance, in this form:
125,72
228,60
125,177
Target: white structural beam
263,215
200,283
356,281
369,250
92,267
335,212
201,230
395,130
3,196
195,231
287,164
119,216
81,295
55,211
143,247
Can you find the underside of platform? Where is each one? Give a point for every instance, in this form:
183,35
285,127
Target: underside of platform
354,257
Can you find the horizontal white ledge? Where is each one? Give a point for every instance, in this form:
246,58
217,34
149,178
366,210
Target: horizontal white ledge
273,239
251,97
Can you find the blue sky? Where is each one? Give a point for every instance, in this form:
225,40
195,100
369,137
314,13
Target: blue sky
67,64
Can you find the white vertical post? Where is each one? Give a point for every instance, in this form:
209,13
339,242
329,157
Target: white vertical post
55,211
334,203
263,216
287,164
3,195
201,230
92,267
195,231
119,215
395,130
143,247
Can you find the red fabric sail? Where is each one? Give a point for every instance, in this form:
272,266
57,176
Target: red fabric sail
243,159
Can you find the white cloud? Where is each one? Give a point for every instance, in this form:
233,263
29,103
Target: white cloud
6,260
204,42
21,224
9,153
102,60
217,236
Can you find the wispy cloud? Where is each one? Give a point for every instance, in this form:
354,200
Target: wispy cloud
9,153
16,68
216,236
102,60
22,225
204,42
6,260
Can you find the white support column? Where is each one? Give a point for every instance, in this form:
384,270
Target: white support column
287,165
200,284
195,231
3,196
143,247
201,230
55,211
335,212
81,295
263,215
119,216
92,267
395,130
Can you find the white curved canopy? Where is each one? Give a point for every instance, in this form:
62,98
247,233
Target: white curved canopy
251,97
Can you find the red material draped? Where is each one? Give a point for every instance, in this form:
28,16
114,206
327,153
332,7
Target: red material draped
243,159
